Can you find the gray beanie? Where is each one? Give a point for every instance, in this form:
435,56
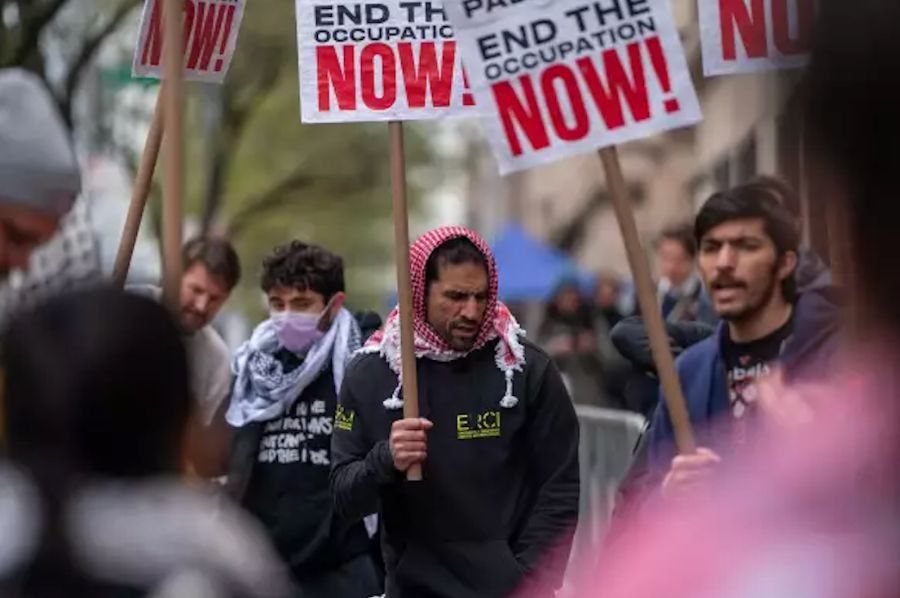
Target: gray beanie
38,168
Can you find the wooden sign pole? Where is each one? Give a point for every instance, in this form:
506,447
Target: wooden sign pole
139,194
173,179
640,269
404,287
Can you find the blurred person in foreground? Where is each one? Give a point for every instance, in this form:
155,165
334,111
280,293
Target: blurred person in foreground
211,270
748,257
681,293
98,406
283,410
497,439
813,510
39,179
567,335
39,175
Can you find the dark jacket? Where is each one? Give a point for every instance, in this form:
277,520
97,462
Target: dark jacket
808,354
630,338
280,473
499,500
640,390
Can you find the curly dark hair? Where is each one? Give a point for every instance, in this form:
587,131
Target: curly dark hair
303,266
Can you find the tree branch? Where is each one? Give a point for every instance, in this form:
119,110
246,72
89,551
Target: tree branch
234,122
219,168
88,50
268,79
268,200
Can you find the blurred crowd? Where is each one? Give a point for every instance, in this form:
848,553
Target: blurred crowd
597,339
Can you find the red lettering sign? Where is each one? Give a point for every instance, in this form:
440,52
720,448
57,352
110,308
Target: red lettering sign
376,72
209,35
749,35
567,77
378,60
616,88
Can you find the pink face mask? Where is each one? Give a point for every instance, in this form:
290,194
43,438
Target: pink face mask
297,332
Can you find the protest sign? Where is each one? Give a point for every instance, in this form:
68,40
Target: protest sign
378,60
744,36
562,77
210,30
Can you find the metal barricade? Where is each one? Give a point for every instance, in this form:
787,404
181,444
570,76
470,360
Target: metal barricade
606,450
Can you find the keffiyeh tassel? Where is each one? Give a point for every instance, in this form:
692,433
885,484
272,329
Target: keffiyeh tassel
394,402
509,401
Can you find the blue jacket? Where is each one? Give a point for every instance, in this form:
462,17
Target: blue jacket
808,354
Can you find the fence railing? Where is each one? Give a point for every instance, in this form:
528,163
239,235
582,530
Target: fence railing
606,448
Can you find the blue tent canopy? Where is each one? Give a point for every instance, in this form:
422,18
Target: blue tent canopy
529,269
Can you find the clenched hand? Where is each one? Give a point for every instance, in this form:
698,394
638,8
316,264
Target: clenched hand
408,442
689,471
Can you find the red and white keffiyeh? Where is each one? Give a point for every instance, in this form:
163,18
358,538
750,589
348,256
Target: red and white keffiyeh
498,321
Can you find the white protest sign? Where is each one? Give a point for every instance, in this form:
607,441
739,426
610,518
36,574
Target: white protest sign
378,60
210,36
563,77
745,36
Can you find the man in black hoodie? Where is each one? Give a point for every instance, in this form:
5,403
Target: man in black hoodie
497,440
283,406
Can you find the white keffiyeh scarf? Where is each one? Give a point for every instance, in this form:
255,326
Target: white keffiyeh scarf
263,390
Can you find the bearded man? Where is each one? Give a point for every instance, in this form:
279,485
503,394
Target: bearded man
748,254
497,440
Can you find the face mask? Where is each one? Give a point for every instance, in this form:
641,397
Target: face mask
297,332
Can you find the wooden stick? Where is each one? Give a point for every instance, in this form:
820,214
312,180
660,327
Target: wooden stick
404,287
173,180
139,194
659,339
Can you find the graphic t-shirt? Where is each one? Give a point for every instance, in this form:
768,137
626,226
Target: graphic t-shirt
745,364
289,488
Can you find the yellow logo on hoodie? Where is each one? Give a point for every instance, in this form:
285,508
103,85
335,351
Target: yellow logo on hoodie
480,425
343,419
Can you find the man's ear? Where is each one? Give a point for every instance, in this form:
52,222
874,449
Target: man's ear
788,265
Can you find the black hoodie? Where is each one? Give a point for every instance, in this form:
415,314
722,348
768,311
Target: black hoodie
499,502
280,474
